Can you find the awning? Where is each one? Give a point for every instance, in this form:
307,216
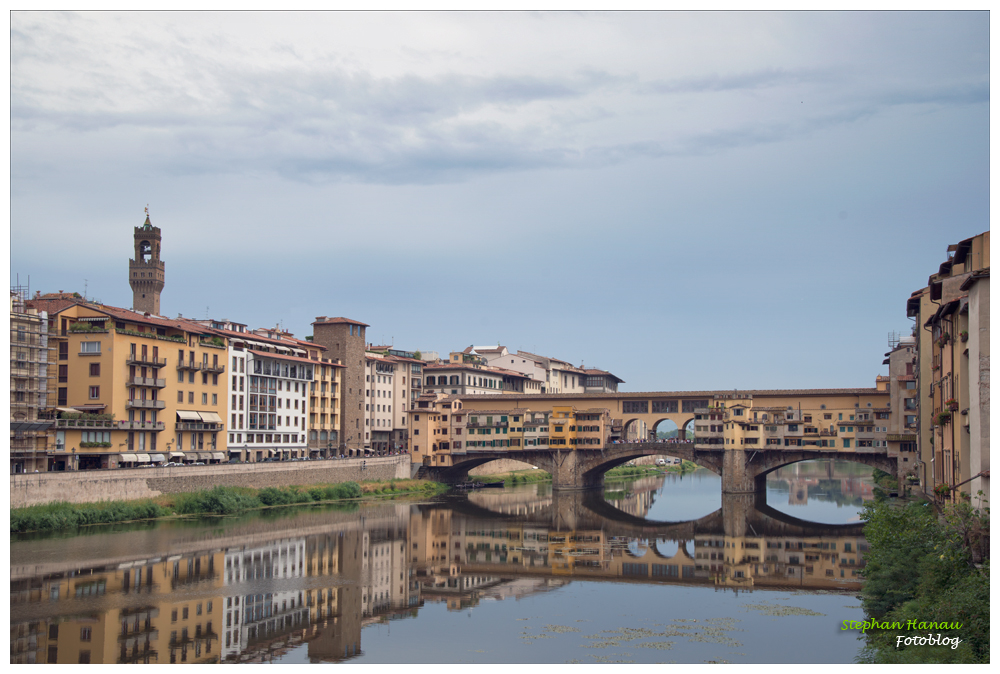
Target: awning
127,458
219,456
235,451
184,415
142,458
204,456
210,417
176,455
270,452
157,457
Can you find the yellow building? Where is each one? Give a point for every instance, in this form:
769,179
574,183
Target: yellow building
134,389
324,408
141,626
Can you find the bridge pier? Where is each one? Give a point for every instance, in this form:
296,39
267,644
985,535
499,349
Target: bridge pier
737,477
569,472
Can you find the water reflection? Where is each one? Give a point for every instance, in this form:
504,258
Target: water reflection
831,491
256,590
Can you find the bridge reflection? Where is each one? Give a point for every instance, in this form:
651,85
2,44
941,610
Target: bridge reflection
252,591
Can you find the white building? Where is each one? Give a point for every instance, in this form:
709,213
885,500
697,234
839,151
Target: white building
267,404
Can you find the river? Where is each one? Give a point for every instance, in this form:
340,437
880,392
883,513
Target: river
653,570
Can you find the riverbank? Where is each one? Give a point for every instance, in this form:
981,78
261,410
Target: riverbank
219,500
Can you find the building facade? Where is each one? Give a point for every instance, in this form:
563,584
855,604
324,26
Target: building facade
134,389
952,339
344,340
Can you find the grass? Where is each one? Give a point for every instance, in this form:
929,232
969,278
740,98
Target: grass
216,501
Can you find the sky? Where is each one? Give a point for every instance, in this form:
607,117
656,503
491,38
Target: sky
692,201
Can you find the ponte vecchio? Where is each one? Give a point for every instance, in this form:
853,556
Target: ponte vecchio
740,434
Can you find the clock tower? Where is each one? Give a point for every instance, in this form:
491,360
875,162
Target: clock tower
146,272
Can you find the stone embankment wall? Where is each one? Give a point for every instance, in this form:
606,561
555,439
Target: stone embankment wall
137,483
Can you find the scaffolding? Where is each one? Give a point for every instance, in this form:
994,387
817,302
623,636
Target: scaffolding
29,375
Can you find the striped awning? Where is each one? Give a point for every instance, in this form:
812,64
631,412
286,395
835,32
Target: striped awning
127,458
185,415
210,417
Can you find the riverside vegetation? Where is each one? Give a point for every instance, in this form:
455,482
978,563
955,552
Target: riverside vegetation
216,501
923,566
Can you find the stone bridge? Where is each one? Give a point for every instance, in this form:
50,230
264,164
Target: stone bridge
742,471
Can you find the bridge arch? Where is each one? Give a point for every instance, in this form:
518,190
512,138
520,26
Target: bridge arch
775,461
665,425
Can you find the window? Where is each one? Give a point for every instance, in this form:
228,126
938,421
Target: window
95,369
191,397
204,398
90,347
180,396
215,399
95,392
63,374
85,633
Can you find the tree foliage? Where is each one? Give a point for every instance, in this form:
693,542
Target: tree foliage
926,567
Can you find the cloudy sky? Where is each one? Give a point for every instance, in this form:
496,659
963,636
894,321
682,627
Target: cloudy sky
692,201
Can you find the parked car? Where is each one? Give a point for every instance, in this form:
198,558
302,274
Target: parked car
661,462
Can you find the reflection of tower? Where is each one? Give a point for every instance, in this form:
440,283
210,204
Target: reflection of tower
146,272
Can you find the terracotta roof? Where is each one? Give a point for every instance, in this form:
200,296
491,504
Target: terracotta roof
51,305
137,317
592,372
339,319
300,359
290,342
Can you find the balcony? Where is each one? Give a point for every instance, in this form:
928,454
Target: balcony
203,366
141,360
140,425
145,381
197,426
146,404
105,424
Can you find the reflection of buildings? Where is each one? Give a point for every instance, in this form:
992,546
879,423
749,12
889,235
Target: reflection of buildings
318,586
126,614
266,613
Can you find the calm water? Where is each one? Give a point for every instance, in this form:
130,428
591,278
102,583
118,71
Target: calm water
662,569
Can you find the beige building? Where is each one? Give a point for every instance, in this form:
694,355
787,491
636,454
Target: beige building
952,331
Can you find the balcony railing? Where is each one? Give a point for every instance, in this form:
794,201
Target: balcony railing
145,381
202,366
197,426
139,359
146,404
140,425
111,424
